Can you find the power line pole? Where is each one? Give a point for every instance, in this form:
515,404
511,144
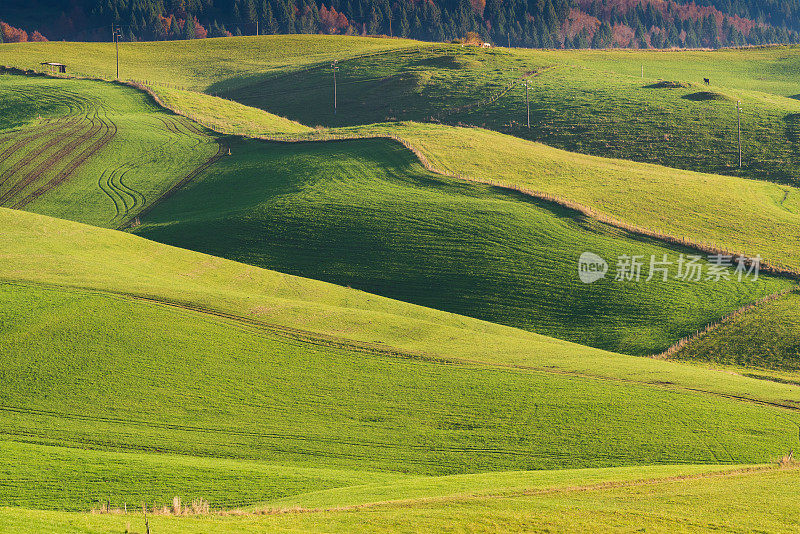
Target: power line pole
739,125
528,104
335,68
117,34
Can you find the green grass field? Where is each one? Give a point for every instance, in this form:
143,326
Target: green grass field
744,216
579,99
366,214
357,335
202,64
765,338
574,107
700,503
43,251
282,399
90,151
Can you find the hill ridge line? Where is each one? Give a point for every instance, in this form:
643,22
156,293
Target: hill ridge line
711,327
322,340
222,146
722,473
588,211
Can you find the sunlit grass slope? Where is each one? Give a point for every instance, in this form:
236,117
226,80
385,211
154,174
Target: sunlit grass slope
593,102
769,69
767,338
584,108
748,501
67,478
744,216
740,215
210,387
366,214
227,115
112,382
90,151
201,63
43,250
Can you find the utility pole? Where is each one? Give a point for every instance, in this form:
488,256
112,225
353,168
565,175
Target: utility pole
117,34
528,104
739,123
335,68
256,27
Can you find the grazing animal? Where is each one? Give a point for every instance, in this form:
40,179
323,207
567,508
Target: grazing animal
707,81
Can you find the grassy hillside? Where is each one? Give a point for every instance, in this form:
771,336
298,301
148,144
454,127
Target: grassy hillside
201,63
766,338
366,214
227,115
284,402
69,478
90,151
64,478
580,100
697,504
41,250
744,216
574,107
770,69
136,371
300,400
587,318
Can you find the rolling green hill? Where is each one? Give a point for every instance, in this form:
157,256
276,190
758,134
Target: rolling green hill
765,338
44,251
593,102
438,382
201,63
91,151
506,288
304,399
581,108
744,216
366,214
592,501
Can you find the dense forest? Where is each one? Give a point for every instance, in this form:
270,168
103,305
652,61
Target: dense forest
523,23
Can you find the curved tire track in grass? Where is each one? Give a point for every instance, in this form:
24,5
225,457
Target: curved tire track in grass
108,129
222,149
34,136
102,183
137,197
95,128
36,153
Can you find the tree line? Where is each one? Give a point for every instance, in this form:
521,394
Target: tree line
521,23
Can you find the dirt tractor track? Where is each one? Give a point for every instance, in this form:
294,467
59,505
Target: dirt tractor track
71,128
63,143
68,146
107,132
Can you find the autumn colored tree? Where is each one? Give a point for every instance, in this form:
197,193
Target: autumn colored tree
12,35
